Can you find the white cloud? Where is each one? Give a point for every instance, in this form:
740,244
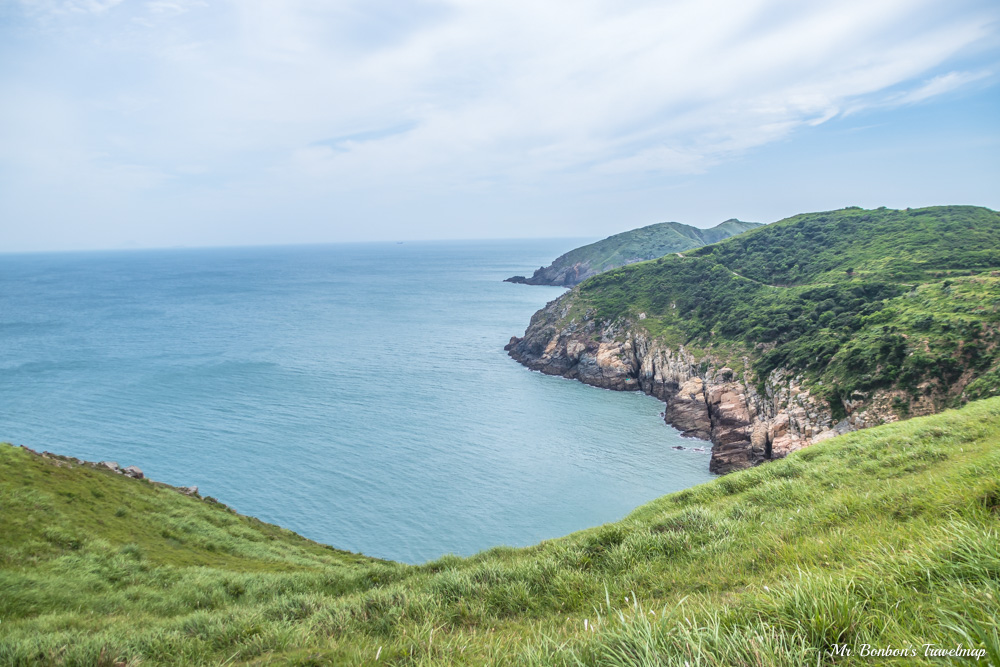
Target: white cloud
534,88
57,7
938,85
918,92
173,7
511,91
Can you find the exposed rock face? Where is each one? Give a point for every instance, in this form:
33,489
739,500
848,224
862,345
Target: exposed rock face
563,276
705,398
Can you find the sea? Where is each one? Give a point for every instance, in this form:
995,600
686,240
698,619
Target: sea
358,394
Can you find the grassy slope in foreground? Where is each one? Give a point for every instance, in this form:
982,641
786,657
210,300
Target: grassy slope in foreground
856,300
886,536
635,245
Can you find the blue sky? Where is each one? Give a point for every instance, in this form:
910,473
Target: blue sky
158,123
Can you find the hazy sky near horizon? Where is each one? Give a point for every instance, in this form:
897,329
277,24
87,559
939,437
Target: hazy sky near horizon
157,123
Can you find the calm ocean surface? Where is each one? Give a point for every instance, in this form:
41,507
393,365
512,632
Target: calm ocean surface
357,394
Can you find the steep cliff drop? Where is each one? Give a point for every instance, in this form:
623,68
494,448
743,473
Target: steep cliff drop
705,398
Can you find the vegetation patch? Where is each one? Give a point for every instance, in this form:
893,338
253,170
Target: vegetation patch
855,301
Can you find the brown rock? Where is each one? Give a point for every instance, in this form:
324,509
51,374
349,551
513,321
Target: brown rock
705,397
688,412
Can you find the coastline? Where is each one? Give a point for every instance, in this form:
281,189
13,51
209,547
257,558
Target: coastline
704,398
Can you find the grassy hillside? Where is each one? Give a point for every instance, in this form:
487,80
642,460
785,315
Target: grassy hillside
857,300
855,244
887,537
628,247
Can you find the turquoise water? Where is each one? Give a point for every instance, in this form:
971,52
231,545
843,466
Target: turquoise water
357,394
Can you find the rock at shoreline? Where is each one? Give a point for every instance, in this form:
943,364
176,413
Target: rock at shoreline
688,411
133,471
705,398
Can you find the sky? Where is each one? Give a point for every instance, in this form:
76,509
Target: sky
163,123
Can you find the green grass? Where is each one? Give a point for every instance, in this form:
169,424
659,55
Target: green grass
887,536
52,506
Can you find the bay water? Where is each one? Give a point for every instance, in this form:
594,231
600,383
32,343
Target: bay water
358,394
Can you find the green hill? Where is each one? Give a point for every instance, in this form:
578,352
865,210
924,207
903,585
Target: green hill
628,247
884,244
856,301
886,537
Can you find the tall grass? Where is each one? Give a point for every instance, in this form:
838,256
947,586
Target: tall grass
886,537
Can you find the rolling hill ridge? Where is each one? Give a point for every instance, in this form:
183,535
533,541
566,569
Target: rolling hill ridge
629,247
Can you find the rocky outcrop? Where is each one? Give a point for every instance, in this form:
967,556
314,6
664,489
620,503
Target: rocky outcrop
133,471
705,398
130,471
560,276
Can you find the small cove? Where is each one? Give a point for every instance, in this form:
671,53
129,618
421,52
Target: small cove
358,394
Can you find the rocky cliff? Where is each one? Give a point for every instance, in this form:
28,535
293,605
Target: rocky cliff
705,398
565,275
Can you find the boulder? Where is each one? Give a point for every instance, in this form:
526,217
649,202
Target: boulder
133,471
110,465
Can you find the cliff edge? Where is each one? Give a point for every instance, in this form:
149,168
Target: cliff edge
704,397
764,347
